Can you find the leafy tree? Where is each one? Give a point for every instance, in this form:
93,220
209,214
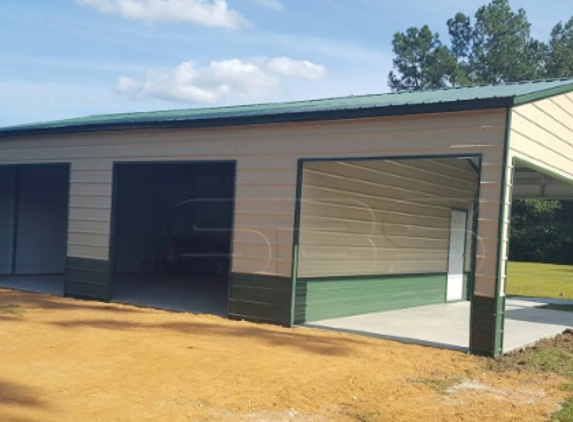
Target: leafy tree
534,232
496,46
421,60
560,57
503,49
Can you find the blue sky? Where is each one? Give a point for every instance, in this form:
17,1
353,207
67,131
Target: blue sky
67,58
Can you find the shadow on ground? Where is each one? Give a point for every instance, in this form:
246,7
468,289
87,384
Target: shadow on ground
27,300
17,396
539,315
267,336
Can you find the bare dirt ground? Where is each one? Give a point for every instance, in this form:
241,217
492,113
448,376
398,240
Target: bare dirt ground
69,360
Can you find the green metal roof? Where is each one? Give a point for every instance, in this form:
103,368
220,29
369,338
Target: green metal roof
450,99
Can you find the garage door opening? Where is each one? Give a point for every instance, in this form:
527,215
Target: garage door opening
173,226
386,247
34,226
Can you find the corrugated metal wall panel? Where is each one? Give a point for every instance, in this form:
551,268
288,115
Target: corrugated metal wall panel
333,298
271,150
90,215
542,134
385,223
7,212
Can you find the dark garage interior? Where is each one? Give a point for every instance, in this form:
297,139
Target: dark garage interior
33,226
172,234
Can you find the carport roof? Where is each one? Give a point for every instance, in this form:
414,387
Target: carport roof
400,103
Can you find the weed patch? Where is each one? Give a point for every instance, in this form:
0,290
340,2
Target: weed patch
440,384
11,310
554,356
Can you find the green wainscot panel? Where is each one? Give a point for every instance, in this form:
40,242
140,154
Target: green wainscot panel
318,299
261,298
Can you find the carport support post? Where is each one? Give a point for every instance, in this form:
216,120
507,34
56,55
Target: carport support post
488,313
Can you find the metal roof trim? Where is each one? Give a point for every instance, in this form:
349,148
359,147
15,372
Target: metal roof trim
287,117
376,105
543,94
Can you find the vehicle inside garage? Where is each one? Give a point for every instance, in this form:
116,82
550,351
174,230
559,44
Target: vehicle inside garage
172,235
33,226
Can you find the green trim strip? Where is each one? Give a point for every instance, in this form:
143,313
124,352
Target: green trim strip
392,157
294,117
500,313
541,95
475,228
542,170
368,276
296,238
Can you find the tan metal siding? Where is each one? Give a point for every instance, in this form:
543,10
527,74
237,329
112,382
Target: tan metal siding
381,217
542,134
266,169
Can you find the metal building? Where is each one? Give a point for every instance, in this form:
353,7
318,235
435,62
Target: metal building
294,212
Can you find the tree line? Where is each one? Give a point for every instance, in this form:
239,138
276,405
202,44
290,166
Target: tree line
493,47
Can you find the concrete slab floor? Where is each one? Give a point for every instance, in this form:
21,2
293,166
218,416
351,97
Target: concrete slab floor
447,325
172,294
48,284
183,295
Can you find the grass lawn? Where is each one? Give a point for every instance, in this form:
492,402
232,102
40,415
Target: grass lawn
551,356
540,280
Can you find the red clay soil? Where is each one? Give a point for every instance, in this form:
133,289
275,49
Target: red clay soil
70,360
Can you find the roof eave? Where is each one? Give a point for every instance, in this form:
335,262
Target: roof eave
542,95
346,114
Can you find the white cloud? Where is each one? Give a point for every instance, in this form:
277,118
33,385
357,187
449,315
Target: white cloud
270,4
296,68
214,13
225,81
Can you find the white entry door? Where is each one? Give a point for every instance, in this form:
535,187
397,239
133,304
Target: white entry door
458,223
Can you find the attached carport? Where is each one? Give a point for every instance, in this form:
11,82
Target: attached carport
34,226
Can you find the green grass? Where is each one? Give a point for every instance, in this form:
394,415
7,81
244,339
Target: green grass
553,356
540,280
565,414
11,310
440,384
